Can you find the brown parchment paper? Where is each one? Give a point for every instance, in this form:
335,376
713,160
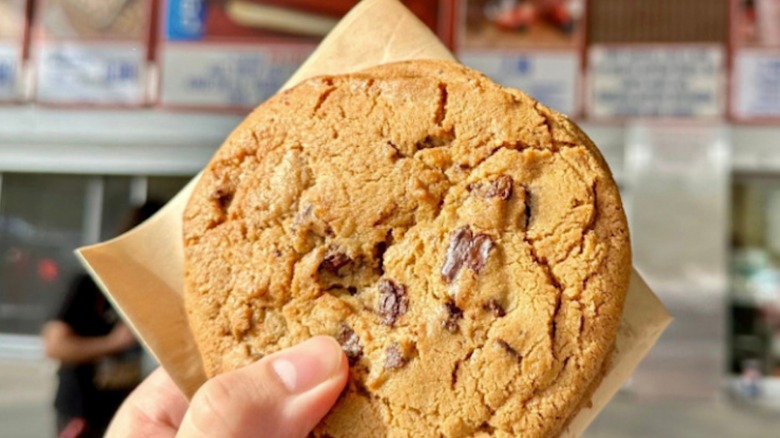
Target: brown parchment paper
141,271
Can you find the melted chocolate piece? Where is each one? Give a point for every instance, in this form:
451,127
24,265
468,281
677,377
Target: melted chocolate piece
333,262
456,253
350,343
393,301
500,188
394,358
466,249
479,250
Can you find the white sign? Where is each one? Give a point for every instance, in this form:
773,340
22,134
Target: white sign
10,83
656,81
91,73
550,77
756,83
226,76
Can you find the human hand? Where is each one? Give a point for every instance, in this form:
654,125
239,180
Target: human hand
121,337
283,395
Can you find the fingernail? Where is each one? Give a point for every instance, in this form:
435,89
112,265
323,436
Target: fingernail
308,364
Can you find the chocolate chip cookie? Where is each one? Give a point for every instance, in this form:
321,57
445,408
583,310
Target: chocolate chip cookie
466,245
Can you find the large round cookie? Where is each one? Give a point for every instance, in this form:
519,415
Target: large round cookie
465,244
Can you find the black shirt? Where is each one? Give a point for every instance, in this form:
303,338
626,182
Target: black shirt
94,390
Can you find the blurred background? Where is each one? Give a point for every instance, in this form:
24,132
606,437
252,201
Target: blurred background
107,104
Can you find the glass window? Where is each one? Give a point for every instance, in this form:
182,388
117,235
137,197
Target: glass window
41,222
163,188
755,275
118,198
43,218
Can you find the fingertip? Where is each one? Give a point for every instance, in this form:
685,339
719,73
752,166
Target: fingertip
333,348
306,410
285,394
308,364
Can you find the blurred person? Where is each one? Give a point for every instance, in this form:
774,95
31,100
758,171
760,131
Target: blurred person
100,359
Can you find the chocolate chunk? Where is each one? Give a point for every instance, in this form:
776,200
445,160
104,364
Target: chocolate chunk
394,358
334,262
457,252
350,343
393,301
500,188
479,250
454,315
465,249
495,308
352,290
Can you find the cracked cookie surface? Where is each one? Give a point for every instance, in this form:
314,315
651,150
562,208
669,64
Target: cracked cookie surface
466,245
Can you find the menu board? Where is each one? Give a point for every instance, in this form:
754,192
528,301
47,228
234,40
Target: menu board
92,52
533,45
235,54
755,81
655,80
13,21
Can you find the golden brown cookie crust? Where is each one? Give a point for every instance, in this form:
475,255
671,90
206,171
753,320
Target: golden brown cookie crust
464,243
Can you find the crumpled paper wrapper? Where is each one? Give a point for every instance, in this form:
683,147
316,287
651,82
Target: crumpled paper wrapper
141,271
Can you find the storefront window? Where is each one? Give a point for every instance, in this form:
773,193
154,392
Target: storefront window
43,218
755,273
41,222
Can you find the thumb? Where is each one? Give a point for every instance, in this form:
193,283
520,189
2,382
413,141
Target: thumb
283,395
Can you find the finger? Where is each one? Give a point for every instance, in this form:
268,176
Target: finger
155,409
283,395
